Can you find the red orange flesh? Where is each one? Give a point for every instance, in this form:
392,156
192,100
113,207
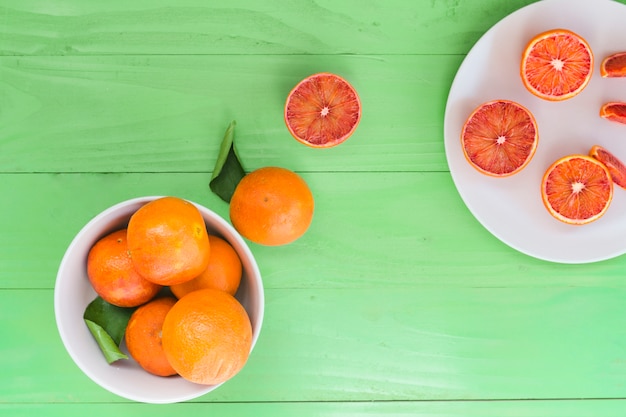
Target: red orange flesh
577,189
500,138
615,166
556,65
614,111
322,111
614,65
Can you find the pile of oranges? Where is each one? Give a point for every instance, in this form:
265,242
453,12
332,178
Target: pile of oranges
197,329
182,282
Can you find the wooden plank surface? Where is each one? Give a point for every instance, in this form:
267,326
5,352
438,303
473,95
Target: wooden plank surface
443,247
193,27
570,408
406,344
169,113
396,302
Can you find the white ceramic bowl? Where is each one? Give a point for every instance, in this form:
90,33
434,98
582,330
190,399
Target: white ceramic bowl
73,292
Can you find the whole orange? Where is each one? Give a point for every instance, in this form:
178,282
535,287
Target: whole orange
272,206
223,272
112,274
168,241
207,336
143,336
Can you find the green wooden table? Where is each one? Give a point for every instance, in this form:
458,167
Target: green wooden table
396,302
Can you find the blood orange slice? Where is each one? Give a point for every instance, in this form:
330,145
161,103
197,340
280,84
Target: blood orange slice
557,65
614,65
322,111
614,111
615,166
577,189
499,138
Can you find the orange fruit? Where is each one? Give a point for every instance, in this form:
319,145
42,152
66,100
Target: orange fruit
322,111
223,272
207,336
143,336
556,65
614,111
614,65
168,241
112,274
272,206
614,165
577,189
499,138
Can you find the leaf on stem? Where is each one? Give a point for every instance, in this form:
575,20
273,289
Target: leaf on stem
107,323
228,170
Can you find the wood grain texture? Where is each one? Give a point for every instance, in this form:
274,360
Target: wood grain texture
571,408
365,233
396,302
409,344
169,114
243,27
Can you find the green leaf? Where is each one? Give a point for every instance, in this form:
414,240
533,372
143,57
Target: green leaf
107,323
228,170
107,345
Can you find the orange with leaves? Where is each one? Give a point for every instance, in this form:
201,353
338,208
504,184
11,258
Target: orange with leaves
272,206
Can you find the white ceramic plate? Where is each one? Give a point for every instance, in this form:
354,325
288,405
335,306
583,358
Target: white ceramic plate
511,208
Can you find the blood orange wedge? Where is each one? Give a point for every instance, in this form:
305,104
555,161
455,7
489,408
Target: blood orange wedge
556,65
322,111
614,111
614,165
614,65
499,138
577,189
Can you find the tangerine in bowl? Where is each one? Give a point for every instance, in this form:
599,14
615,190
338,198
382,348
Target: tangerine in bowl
73,292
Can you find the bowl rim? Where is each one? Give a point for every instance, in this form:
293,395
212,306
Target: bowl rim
241,247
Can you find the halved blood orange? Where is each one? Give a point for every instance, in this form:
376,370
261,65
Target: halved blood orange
556,65
614,165
322,111
577,189
614,111
500,138
614,65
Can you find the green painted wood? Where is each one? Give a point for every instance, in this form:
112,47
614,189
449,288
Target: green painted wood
396,302
169,113
365,233
408,344
572,408
246,27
